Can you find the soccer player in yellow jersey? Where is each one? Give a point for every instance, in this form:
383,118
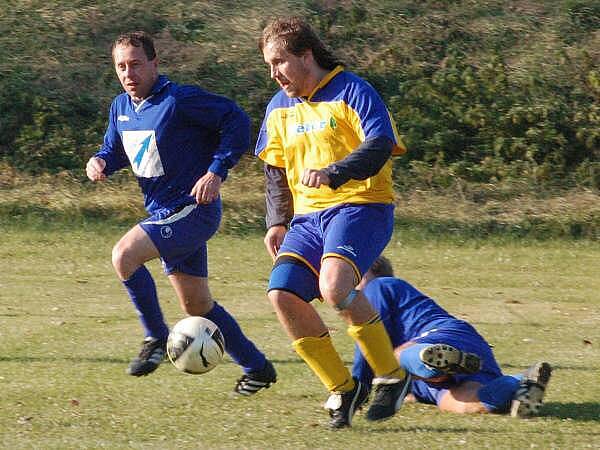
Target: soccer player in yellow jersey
326,141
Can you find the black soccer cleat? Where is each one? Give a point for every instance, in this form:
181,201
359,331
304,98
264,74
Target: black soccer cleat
252,382
389,396
152,354
529,397
343,405
450,360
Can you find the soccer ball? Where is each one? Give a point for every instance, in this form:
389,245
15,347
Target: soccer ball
195,345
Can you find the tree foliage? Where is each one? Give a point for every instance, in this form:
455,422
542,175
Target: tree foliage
483,89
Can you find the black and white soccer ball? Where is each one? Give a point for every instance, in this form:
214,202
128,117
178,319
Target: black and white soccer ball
195,345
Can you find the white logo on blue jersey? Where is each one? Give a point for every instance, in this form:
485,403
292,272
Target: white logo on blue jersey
123,118
142,152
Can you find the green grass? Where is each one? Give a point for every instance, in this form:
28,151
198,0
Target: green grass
67,333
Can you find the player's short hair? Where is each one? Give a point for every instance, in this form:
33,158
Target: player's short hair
297,36
382,267
137,39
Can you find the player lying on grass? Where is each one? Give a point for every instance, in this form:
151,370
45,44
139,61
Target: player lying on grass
451,364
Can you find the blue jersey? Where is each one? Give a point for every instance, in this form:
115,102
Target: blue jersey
407,313
172,138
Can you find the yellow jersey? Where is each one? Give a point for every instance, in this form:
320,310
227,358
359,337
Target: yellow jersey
311,133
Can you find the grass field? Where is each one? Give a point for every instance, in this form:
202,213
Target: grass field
67,333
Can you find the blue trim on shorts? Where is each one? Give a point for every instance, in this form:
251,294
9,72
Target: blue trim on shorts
292,275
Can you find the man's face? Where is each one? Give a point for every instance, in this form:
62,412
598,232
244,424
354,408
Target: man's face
291,72
136,72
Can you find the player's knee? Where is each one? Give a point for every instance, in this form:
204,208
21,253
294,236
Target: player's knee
283,302
336,281
120,261
334,292
124,260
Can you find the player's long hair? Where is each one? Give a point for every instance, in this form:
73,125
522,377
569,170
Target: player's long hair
297,36
137,39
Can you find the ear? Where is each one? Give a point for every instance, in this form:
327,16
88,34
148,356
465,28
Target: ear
308,57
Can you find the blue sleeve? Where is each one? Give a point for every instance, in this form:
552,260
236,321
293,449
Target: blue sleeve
374,116
222,116
112,150
364,162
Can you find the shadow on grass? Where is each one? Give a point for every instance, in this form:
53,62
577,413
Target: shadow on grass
587,411
516,368
79,359
583,412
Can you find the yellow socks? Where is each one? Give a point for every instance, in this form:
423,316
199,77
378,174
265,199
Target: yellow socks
325,362
376,347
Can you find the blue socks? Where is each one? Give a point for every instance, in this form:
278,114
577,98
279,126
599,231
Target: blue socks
142,291
237,345
497,395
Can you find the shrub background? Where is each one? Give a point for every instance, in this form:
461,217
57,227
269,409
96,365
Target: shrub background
482,91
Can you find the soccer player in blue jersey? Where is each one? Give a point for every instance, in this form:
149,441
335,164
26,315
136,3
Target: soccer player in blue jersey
451,363
326,140
180,141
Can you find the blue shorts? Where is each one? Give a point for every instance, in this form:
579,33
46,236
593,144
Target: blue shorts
357,233
181,235
465,338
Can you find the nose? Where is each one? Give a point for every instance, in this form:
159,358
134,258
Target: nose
273,72
128,71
